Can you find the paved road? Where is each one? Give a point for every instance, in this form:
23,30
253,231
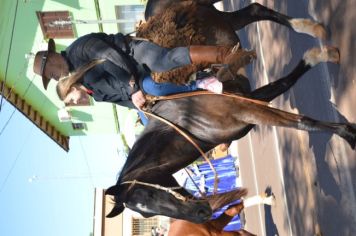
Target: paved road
313,176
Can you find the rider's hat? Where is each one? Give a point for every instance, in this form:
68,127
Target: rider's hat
40,62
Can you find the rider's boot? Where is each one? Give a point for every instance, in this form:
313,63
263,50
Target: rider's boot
234,62
215,54
229,56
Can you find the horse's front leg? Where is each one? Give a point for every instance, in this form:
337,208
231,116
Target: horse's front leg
311,58
257,12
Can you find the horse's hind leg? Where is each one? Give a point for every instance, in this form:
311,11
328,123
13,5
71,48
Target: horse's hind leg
311,58
257,12
261,114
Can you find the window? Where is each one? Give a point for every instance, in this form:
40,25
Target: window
143,226
78,126
55,24
130,15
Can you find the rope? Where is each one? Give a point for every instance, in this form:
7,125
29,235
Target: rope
197,93
156,186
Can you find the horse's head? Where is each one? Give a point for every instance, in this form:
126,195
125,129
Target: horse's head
158,153
150,200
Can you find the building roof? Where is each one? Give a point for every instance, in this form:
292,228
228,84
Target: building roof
34,116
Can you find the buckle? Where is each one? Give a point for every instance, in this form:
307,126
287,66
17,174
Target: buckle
43,62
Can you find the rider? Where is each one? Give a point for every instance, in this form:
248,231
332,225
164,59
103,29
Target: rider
123,76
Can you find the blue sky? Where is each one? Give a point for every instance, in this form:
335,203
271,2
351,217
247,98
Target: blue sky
59,201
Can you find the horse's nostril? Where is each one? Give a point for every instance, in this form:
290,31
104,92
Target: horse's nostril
203,213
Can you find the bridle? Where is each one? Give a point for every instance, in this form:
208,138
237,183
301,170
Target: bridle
157,186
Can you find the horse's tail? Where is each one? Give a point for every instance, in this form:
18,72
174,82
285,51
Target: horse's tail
220,200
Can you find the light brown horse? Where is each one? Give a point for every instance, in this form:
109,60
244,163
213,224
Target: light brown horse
216,227
210,228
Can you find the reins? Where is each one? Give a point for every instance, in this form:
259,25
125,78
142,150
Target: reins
157,186
197,93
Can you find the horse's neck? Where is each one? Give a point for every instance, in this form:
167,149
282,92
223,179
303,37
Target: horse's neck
169,150
160,151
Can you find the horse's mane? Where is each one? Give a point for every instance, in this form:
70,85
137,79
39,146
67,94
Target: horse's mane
156,133
216,201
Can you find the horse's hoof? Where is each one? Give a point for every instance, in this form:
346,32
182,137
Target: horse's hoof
309,27
334,54
325,54
319,31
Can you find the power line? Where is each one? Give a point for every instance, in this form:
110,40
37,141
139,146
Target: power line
87,163
12,114
8,56
19,154
7,122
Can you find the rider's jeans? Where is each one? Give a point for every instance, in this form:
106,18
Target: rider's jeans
162,89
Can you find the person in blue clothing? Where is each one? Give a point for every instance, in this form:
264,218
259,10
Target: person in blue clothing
116,68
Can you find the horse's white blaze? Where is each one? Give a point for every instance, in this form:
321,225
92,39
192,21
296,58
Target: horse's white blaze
258,199
325,54
143,208
308,27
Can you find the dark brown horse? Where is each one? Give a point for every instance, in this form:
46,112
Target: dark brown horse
145,184
145,181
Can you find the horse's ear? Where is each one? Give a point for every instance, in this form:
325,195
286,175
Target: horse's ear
116,211
113,190
119,207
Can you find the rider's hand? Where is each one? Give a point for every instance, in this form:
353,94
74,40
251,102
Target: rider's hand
138,99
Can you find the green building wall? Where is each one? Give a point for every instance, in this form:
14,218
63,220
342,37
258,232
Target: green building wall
21,34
